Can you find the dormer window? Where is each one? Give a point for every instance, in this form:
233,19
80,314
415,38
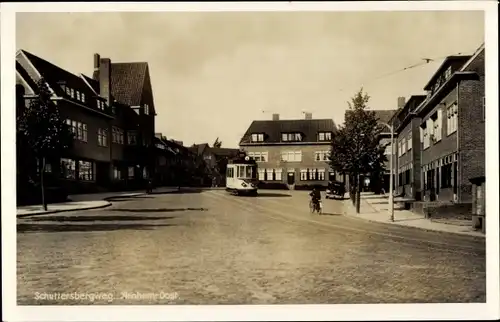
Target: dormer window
77,95
324,136
447,73
146,109
72,93
100,105
291,137
83,97
258,137
68,91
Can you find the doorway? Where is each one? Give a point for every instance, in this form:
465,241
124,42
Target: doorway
291,178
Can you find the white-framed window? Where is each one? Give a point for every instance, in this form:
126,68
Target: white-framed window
79,129
132,138
409,142
452,118
291,137
83,97
102,137
258,137
72,93
85,170
117,174
131,172
262,174
68,91
303,174
429,128
321,174
436,129
118,135
324,136
146,109
259,156
68,168
291,156
77,95
321,155
278,174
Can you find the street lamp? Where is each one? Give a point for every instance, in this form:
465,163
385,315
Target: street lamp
391,179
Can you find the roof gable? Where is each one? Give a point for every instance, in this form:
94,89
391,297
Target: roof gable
273,129
127,81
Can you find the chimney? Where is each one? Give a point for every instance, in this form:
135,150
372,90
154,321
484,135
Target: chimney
276,117
105,79
401,102
309,116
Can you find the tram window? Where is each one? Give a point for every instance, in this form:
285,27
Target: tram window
230,172
241,171
249,172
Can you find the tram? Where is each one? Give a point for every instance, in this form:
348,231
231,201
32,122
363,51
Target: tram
241,176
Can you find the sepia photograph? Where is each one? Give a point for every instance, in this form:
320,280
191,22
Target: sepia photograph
235,159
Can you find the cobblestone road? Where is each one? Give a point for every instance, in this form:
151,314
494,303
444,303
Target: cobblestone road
213,248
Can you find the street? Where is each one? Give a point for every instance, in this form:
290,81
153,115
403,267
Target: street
214,248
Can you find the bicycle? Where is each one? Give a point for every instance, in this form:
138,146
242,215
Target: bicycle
315,206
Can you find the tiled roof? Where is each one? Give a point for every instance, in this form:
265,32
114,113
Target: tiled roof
273,129
127,82
26,76
384,115
224,152
199,148
447,62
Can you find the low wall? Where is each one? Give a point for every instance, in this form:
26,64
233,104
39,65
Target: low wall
436,210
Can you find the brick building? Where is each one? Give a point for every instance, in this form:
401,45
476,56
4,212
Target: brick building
291,153
452,130
216,160
407,161
111,114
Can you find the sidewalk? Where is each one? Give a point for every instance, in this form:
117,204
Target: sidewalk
86,202
376,208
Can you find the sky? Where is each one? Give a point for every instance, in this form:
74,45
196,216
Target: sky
213,73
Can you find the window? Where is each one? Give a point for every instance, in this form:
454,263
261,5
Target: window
85,170
101,105
230,172
427,133
258,137
291,137
241,171
321,155
132,138
68,91
131,172
262,174
321,174
146,109
291,156
48,166
78,95
324,136
303,174
446,175
278,174
72,93
452,118
409,142
117,174
79,129
83,97
436,129
258,156
68,168
118,135
249,172
102,137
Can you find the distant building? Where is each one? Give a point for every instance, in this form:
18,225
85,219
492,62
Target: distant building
112,115
216,161
292,153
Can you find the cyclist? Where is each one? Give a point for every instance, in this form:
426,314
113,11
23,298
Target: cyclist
315,196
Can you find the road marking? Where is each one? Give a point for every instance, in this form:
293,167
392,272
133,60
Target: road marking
281,214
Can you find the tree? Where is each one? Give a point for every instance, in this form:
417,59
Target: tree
217,143
42,128
355,146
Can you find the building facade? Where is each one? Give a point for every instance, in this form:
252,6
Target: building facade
111,115
407,163
452,129
293,153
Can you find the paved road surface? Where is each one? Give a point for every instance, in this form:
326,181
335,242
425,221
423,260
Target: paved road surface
213,248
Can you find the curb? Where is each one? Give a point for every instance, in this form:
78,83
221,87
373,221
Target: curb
410,227
64,210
